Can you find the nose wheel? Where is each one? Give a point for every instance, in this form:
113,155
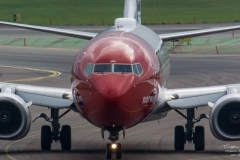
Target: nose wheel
108,151
119,151
113,148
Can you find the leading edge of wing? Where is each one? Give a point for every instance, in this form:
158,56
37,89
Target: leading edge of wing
202,32
57,98
195,97
63,32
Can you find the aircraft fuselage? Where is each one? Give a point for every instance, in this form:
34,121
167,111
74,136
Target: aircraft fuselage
118,76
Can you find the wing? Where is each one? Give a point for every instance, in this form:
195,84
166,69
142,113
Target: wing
63,32
202,32
197,97
57,98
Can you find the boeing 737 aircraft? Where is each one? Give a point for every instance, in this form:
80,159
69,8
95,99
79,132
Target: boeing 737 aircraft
118,81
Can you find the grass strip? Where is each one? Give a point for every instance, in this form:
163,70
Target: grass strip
104,12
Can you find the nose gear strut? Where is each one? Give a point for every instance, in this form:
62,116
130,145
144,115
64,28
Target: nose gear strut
113,147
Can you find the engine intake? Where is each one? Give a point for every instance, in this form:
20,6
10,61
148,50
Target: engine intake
15,117
225,118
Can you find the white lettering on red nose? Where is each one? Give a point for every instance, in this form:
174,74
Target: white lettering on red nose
149,99
78,98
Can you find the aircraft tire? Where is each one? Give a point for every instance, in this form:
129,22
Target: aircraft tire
199,138
179,138
46,137
119,151
108,151
65,137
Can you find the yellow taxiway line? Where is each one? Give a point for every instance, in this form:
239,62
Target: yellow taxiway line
9,145
56,74
53,74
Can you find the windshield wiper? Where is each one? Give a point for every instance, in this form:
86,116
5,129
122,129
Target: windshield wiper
99,71
127,71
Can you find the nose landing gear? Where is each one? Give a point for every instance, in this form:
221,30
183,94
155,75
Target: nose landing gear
114,148
113,137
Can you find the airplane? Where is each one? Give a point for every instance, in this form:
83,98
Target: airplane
118,81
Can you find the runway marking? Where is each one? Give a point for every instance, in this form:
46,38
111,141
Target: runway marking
53,74
10,145
213,157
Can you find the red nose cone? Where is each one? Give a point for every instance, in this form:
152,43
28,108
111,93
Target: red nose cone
112,97
112,85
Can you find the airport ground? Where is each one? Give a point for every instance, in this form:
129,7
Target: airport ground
104,12
145,141
226,43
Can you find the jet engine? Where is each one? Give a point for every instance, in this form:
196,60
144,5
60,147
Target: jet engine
15,117
225,118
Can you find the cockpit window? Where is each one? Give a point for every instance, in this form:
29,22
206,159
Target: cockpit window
140,70
103,68
89,69
122,68
116,68
137,69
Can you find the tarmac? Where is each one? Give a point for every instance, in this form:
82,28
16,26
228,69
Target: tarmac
145,141
225,42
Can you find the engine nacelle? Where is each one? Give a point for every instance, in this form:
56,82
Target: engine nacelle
15,117
224,118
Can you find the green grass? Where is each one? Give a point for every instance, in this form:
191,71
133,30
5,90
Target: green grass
104,12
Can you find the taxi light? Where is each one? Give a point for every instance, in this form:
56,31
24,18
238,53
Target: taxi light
66,96
175,96
113,146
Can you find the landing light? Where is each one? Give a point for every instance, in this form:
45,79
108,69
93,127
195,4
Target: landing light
66,96
175,96
114,146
